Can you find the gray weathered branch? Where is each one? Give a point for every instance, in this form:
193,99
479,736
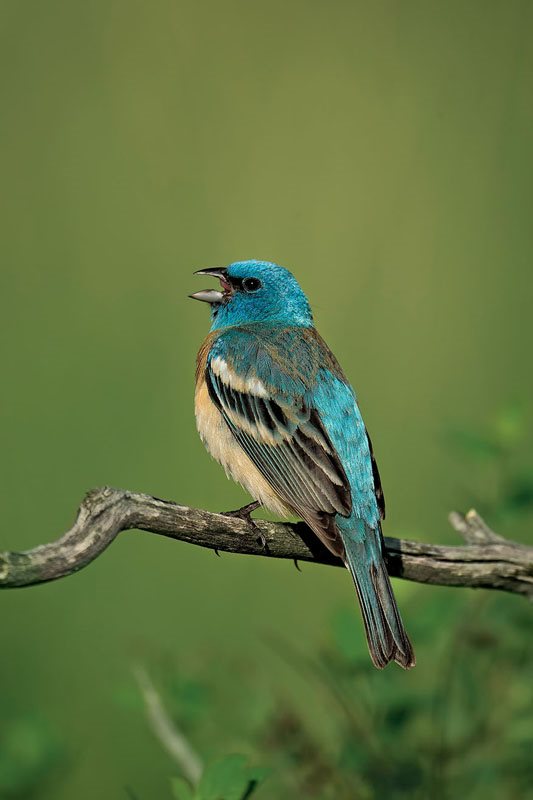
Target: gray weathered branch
485,561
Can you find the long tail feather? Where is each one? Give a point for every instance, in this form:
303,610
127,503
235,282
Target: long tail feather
385,633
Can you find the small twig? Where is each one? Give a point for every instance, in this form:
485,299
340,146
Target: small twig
473,528
173,741
486,561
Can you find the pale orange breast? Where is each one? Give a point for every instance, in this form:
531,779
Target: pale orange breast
222,445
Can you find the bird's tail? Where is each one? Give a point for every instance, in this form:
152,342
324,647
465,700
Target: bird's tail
385,633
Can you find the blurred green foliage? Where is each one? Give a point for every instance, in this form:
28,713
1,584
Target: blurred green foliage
30,753
498,484
383,152
463,728
226,778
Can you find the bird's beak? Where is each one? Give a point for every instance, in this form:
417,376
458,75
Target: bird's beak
213,296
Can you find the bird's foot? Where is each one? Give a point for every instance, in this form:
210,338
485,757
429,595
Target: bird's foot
244,513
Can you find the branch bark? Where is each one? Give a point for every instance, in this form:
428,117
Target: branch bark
486,560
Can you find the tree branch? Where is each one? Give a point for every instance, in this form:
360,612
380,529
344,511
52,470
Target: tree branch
166,730
486,561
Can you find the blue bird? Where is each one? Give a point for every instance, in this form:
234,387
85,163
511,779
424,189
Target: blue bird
275,409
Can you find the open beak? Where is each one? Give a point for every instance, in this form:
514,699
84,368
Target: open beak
213,296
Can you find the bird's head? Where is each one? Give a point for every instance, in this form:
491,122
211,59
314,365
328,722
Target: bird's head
255,291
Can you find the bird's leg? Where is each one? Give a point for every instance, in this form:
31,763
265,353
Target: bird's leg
244,513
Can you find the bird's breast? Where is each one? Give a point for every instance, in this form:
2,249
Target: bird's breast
221,444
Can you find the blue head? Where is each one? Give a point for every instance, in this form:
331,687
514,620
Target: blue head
255,291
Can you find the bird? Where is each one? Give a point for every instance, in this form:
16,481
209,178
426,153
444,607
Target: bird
275,409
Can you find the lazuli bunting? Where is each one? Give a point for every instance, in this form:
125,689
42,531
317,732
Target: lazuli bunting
275,409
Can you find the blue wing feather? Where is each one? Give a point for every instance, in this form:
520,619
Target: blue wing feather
337,407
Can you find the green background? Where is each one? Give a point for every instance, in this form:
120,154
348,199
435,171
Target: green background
381,151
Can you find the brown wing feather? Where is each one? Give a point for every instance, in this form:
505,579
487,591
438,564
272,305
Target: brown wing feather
294,454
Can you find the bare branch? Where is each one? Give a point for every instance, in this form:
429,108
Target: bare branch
165,729
486,561
473,528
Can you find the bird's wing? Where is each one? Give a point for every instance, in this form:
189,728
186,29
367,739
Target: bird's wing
284,436
378,488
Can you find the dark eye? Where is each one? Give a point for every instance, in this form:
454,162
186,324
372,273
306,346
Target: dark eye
251,284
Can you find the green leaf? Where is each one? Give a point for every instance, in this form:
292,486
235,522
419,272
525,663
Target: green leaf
181,790
229,778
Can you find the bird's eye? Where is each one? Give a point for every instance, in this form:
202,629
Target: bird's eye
251,284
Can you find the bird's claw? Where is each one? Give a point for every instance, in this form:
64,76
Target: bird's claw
262,540
244,513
